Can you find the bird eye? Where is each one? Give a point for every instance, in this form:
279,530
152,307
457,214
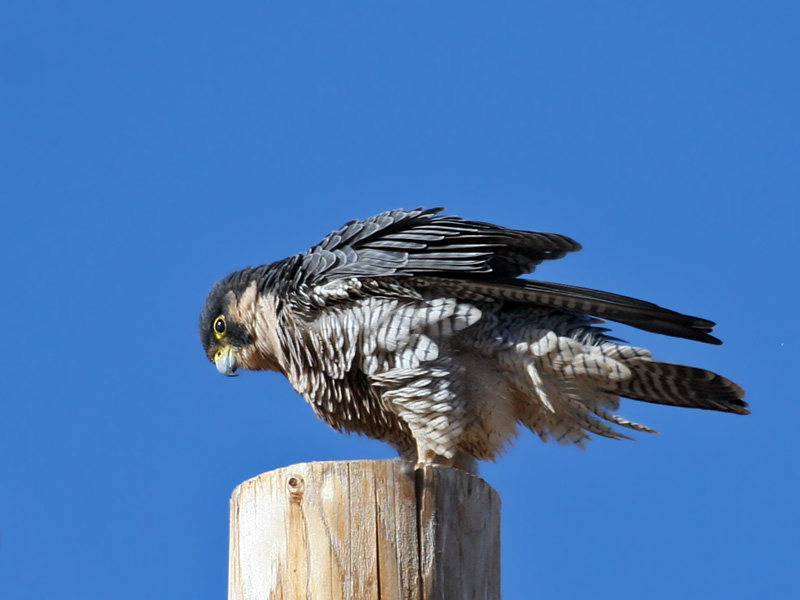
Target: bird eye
220,327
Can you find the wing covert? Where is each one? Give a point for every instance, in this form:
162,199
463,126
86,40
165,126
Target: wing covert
419,242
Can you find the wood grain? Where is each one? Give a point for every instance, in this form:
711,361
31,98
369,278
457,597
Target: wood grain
363,530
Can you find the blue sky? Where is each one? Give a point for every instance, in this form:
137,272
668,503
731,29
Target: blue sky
147,149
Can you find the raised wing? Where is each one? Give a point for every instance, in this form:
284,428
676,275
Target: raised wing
417,242
470,260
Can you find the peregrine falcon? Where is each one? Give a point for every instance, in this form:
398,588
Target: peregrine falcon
414,328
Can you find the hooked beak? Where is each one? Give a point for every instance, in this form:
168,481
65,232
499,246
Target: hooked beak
225,359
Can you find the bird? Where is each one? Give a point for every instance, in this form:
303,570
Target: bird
417,329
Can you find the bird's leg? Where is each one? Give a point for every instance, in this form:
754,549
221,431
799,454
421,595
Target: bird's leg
426,456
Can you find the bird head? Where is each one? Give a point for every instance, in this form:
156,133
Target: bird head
238,325
224,338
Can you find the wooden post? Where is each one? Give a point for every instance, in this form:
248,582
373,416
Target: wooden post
364,530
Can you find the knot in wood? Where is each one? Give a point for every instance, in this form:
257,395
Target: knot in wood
296,486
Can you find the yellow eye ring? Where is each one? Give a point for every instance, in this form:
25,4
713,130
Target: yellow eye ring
220,327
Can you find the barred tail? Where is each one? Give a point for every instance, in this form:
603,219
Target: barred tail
678,385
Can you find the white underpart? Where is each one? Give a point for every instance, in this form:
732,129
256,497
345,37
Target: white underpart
458,377
397,343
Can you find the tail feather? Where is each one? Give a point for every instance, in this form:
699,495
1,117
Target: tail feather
678,385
